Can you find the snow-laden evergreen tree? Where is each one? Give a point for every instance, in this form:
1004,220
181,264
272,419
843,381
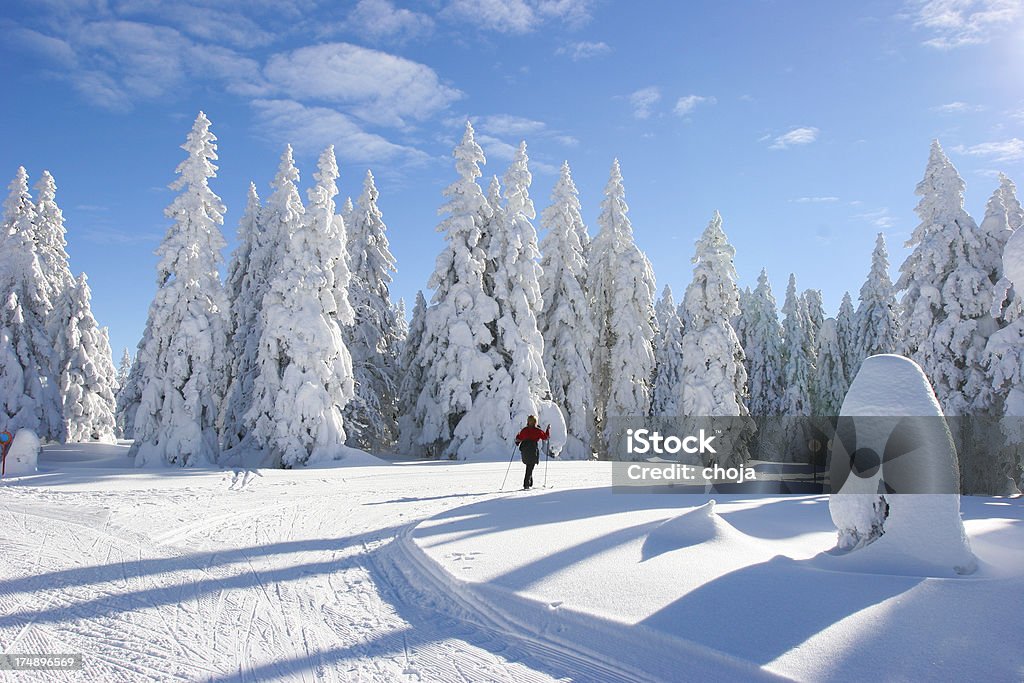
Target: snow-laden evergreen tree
305,370
49,235
183,361
876,328
1008,304
129,396
565,319
29,396
621,284
1014,211
520,382
713,382
123,369
247,283
492,225
846,330
798,361
372,416
947,282
411,375
831,375
739,321
87,375
347,207
668,357
457,352
994,465
764,351
815,315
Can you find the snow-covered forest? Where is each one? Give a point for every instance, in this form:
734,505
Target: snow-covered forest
301,355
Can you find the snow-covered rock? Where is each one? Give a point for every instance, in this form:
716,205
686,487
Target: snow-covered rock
23,454
894,469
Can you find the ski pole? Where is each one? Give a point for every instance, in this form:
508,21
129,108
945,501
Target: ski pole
510,458
547,459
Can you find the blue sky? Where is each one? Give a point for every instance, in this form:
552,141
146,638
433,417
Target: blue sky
807,124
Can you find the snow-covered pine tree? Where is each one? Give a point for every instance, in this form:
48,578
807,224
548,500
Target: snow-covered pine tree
668,358
521,382
1014,211
713,382
347,207
798,363
876,328
247,284
815,316
492,225
831,375
739,321
764,351
183,361
565,319
87,375
129,395
1008,304
992,464
412,378
621,284
846,331
304,378
29,396
947,282
49,235
371,417
457,352
123,369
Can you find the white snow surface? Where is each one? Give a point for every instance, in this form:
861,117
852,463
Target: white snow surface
423,571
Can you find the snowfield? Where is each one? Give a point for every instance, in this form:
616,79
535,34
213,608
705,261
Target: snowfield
423,571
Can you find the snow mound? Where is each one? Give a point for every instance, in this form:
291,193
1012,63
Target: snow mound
23,454
550,414
893,478
693,527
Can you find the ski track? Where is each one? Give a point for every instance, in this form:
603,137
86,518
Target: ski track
243,577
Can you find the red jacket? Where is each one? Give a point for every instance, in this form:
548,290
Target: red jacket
532,434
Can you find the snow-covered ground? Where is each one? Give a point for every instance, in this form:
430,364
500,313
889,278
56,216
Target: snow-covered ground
423,571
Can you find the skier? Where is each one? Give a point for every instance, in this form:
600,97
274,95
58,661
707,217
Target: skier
528,452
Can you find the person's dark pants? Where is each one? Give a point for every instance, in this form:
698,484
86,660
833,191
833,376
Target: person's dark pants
528,479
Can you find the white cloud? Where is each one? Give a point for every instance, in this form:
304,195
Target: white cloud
686,105
798,136
374,85
310,129
814,200
580,51
495,148
643,101
1003,151
956,23
958,108
517,16
879,218
50,47
381,19
505,124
